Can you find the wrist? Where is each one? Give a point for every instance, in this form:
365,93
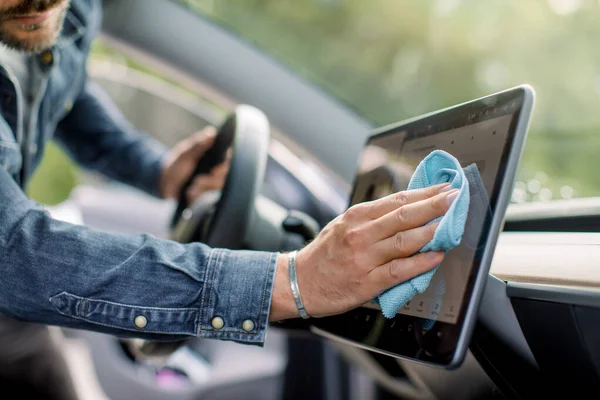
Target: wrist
283,305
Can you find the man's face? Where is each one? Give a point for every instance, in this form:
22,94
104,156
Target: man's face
31,25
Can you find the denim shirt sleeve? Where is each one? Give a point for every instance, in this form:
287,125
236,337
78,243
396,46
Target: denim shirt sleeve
56,273
97,135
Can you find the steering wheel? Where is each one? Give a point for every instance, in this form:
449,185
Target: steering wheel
221,219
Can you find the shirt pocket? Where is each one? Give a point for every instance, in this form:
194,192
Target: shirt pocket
166,321
10,157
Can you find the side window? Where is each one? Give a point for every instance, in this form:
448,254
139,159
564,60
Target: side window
390,60
150,98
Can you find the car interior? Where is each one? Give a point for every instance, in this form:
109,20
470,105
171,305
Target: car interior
174,67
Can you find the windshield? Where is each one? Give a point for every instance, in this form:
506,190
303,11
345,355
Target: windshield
391,60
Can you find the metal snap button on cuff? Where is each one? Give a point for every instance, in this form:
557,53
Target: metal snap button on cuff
140,321
217,322
248,325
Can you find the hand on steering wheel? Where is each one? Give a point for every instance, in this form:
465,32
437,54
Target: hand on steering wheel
217,218
181,162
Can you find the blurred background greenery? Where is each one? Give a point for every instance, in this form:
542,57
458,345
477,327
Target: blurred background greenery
54,179
394,59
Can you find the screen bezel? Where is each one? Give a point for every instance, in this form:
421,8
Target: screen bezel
454,338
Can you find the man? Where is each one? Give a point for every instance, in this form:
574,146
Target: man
139,286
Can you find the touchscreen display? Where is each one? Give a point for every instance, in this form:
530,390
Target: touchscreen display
486,136
386,166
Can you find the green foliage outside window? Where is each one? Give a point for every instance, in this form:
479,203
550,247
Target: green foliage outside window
395,59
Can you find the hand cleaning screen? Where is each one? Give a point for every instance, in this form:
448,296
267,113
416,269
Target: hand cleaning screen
387,165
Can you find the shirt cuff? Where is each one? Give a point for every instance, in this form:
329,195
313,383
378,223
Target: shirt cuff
236,302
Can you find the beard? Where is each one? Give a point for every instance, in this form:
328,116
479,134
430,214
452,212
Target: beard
44,39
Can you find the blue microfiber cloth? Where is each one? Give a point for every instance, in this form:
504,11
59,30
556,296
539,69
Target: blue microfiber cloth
438,167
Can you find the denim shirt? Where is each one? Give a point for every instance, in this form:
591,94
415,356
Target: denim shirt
56,273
